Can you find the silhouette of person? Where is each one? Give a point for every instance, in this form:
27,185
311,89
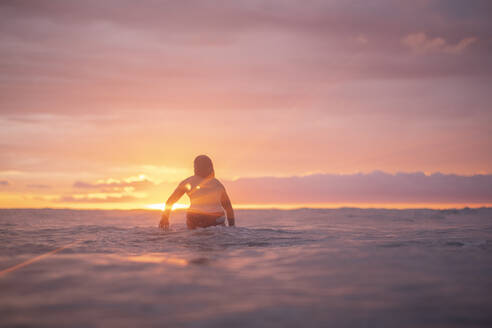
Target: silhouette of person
208,198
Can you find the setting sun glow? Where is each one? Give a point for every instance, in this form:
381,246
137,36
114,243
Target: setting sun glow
292,111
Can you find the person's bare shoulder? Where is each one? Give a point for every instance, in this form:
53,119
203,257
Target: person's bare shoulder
187,181
219,184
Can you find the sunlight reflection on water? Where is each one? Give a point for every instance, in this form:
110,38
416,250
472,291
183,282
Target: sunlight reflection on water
156,258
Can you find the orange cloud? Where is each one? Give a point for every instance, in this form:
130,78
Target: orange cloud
39,186
133,183
100,198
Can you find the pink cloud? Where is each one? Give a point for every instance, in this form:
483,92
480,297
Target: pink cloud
226,55
376,187
421,43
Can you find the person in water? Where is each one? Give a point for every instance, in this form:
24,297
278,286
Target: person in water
208,198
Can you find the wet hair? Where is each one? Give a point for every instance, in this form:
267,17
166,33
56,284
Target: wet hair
203,166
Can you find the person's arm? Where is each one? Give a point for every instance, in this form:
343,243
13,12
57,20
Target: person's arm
175,196
226,204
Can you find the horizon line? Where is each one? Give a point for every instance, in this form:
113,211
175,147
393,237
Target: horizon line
396,206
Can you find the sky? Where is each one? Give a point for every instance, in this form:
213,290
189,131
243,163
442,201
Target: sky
105,104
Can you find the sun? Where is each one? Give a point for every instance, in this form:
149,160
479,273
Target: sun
160,206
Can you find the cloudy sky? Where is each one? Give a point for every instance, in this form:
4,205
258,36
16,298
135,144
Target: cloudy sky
106,103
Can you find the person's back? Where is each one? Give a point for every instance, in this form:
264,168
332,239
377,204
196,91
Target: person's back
208,198
205,195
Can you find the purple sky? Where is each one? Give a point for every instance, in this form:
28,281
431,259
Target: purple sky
98,90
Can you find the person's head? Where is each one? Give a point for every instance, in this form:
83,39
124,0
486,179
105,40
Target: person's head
203,166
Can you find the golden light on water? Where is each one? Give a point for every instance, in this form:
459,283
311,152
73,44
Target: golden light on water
144,258
35,259
157,258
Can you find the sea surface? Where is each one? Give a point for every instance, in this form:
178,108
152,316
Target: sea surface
278,268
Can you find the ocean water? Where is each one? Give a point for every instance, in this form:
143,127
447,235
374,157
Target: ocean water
278,268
